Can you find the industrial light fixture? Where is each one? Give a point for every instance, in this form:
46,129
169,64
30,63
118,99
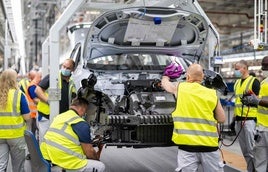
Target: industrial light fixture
17,15
244,56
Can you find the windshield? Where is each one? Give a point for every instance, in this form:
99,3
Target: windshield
135,62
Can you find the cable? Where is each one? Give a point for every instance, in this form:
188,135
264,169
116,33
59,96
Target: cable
227,145
242,125
222,156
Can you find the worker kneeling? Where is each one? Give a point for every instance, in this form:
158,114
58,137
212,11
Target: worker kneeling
67,143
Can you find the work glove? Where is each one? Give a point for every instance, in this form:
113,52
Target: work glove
173,70
250,100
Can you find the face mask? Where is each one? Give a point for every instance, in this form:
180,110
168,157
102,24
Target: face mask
237,73
265,73
66,72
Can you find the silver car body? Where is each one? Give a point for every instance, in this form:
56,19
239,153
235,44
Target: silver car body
127,50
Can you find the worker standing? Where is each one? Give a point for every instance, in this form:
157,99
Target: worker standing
14,113
245,118
68,92
33,100
195,121
260,150
24,82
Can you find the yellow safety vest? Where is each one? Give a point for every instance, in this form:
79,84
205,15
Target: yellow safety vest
12,124
44,107
263,111
61,145
24,82
239,91
194,122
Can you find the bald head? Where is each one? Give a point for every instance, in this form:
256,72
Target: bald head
37,78
32,74
195,73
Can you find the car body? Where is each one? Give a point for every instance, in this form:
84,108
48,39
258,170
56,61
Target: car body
126,50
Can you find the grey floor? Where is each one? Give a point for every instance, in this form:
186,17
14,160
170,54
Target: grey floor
140,160
157,159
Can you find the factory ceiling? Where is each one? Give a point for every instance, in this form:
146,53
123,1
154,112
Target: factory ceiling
230,16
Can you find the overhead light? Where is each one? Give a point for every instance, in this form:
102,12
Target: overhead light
236,59
244,56
254,68
16,11
29,4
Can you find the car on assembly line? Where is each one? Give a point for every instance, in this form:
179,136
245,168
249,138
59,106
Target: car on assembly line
122,62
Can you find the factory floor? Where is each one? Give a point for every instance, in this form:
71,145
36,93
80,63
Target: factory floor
164,159
232,155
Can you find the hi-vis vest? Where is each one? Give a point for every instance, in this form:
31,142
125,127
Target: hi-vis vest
61,145
24,82
32,105
262,114
44,107
194,122
12,124
239,91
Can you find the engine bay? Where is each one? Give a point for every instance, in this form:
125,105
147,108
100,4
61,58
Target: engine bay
131,109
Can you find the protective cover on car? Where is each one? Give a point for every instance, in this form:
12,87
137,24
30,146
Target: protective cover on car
147,29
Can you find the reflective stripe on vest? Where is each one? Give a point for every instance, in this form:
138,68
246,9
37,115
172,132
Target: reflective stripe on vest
11,122
24,82
44,107
69,151
263,111
60,139
195,126
239,91
195,132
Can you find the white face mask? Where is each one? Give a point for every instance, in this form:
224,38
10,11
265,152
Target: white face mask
66,72
237,73
265,73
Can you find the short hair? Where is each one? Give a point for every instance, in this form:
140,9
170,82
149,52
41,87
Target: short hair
79,102
72,62
264,63
265,60
244,62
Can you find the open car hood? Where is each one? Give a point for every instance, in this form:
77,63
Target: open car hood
120,70
147,30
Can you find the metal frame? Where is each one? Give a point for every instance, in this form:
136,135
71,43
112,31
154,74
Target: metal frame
260,20
54,39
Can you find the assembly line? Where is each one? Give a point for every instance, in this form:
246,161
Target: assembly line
141,88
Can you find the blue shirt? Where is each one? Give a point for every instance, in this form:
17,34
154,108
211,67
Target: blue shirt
31,91
24,107
82,129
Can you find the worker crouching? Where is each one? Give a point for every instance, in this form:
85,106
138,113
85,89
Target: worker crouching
67,143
